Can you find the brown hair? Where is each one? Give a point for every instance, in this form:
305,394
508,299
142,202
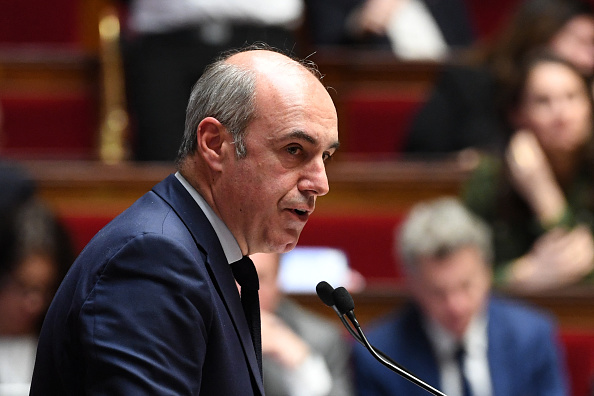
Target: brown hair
533,24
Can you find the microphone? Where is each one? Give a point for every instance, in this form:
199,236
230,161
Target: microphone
342,302
325,293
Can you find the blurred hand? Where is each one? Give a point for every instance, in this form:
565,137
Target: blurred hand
558,258
533,177
375,15
281,343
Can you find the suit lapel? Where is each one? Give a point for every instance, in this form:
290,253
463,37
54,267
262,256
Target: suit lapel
498,352
175,194
421,352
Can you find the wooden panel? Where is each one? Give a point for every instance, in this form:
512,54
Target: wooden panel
86,187
356,184
573,307
344,67
367,201
372,185
47,70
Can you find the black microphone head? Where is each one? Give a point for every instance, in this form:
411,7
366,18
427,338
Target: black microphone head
325,291
343,300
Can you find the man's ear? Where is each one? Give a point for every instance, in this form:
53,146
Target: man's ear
210,137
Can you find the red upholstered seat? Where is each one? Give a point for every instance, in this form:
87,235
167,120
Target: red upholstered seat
378,122
487,16
49,126
55,22
366,240
579,349
82,228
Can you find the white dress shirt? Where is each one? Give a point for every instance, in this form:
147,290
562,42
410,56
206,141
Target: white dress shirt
230,246
17,358
476,363
154,16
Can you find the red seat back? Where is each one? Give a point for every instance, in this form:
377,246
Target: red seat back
366,240
579,350
378,122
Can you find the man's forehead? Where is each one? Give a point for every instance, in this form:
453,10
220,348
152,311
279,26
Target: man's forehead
264,61
328,142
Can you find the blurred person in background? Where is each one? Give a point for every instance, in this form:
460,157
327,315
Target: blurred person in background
411,29
454,334
539,195
35,253
465,108
166,46
303,353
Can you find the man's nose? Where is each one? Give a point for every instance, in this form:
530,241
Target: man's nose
315,179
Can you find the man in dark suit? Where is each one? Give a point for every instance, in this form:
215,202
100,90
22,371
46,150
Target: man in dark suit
455,335
150,306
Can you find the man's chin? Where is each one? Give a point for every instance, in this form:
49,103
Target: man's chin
283,241
289,246
286,245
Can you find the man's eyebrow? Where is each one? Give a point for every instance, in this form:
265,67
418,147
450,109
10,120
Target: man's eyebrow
299,134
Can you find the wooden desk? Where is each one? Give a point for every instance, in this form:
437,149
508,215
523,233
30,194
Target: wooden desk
572,307
345,68
361,184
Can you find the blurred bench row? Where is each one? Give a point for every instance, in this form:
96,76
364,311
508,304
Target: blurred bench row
367,200
52,104
51,90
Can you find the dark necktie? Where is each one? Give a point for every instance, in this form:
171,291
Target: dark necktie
459,355
245,274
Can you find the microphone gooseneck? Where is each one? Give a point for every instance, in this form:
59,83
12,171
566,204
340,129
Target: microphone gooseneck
343,304
346,303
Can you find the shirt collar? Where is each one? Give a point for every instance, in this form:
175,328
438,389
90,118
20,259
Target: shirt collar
444,343
228,242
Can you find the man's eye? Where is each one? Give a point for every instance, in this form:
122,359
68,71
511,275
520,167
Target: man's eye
294,150
326,157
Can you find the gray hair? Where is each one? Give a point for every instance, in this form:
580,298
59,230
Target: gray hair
438,228
227,92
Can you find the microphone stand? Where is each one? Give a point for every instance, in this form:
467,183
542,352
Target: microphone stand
342,303
363,341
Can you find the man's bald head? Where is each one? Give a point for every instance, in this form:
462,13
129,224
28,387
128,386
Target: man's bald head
268,62
227,90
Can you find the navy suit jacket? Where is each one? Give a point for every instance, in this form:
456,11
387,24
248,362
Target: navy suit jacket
150,307
523,353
